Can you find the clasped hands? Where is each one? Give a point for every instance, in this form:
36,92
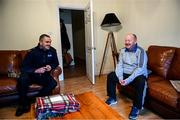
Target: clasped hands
43,69
122,82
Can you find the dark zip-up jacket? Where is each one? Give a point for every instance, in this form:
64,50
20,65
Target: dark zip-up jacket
37,58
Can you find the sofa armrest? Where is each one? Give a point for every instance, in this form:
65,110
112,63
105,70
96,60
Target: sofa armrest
55,74
178,100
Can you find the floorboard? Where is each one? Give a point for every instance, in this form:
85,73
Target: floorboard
82,84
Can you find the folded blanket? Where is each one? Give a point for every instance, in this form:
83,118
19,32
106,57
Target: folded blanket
55,105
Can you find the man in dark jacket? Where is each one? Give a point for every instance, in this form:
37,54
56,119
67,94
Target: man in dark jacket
36,68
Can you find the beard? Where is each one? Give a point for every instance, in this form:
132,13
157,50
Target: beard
47,47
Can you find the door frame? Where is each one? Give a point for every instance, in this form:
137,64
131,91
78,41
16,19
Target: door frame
68,7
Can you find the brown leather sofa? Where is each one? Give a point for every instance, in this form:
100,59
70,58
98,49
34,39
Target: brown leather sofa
162,98
10,61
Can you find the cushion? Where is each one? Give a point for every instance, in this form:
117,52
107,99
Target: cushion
8,86
9,62
174,70
164,92
159,59
23,54
154,78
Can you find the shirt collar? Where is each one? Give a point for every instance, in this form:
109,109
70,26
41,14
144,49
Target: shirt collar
133,49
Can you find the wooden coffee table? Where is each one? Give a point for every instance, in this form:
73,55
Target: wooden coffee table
91,107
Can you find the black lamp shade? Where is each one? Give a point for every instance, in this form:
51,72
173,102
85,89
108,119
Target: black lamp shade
109,20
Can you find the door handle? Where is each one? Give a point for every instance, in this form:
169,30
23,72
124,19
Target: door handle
91,48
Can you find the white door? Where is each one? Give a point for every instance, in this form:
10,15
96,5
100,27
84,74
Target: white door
89,41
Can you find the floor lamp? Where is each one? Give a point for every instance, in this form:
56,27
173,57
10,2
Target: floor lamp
111,24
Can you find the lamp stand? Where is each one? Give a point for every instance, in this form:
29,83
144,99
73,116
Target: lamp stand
110,38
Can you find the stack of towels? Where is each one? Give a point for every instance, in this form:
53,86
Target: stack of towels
55,105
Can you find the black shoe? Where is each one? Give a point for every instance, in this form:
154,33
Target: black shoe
22,109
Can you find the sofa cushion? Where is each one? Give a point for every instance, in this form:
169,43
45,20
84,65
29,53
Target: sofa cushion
174,71
8,86
164,92
23,54
10,61
159,59
154,78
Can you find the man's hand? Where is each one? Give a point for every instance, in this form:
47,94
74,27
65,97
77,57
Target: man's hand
122,82
48,68
40,70
43,69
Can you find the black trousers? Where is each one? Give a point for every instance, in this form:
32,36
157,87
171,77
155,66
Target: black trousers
139,84
25,80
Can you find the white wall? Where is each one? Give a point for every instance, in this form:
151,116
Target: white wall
102,7
24,21
154,22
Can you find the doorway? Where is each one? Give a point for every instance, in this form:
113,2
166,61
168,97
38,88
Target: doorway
75,28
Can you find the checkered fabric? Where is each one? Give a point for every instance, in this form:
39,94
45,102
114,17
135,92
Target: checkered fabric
55,105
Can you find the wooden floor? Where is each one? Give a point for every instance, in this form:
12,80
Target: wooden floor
82,84
77,70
